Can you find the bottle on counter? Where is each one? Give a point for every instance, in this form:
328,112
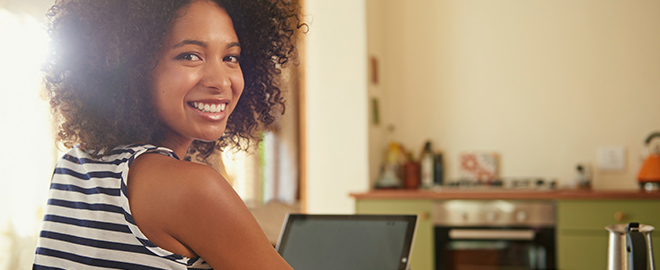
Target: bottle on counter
583,176
427,164
438,170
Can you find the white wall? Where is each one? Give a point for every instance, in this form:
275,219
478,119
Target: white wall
543,83
336,100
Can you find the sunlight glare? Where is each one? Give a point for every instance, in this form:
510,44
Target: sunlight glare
27,143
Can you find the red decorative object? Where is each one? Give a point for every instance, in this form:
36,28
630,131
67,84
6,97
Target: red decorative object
481,166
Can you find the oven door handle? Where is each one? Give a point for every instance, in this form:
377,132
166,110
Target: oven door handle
491,234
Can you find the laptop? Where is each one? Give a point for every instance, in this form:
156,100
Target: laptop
359,242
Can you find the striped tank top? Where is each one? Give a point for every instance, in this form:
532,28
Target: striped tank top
88,222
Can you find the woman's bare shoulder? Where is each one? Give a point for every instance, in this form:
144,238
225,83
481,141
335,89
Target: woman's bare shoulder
155,164
158,177
191,207
183,182
162,192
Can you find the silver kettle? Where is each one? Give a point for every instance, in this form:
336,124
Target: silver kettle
630,247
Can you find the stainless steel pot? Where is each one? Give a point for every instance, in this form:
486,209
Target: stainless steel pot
630,247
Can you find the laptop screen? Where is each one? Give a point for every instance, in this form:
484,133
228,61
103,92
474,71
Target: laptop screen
319,242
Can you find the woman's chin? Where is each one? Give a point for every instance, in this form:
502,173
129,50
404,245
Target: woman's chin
210,137
208,140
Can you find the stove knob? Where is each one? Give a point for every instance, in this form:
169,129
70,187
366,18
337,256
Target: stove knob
521,216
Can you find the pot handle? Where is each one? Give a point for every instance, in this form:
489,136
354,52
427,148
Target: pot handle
653,135
636,247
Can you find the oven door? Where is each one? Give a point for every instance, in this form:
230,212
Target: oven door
492,248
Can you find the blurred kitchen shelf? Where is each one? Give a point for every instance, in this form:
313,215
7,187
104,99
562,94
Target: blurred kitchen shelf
509,194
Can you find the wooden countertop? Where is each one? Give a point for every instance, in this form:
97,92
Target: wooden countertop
509,194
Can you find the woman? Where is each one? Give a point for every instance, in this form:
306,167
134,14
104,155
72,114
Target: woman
139,86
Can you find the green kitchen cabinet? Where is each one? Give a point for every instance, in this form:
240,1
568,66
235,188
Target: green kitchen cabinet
582,240
422,257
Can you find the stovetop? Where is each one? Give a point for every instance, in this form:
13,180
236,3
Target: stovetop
500,184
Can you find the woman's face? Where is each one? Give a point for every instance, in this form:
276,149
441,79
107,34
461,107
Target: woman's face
198,79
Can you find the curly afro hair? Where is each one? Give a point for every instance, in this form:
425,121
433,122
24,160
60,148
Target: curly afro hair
103,50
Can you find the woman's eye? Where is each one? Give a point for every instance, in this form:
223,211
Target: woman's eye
231,58
188,57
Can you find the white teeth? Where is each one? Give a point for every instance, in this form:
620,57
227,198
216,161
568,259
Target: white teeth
210,108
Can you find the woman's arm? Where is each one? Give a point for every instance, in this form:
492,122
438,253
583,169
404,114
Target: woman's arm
189,209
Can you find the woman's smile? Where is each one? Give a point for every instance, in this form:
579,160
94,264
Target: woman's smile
212,110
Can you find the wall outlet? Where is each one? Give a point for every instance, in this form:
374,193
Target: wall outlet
612,158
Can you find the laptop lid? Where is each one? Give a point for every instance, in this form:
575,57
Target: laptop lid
360,242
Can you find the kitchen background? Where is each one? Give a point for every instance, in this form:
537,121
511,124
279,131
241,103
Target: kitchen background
542,83
545,84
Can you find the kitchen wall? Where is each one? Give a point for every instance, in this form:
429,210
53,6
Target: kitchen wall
543,83
335,99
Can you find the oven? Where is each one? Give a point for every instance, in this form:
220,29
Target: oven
494,235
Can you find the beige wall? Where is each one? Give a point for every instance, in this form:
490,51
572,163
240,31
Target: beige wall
336,100
543,83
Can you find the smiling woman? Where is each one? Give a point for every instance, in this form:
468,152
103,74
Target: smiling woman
198,80
140,87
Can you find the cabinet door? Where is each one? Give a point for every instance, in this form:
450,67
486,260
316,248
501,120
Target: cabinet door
580,252
422,257
596,214
582,240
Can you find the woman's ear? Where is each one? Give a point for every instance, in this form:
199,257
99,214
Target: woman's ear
155,64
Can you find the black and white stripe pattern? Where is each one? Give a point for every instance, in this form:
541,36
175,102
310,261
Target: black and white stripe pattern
88,222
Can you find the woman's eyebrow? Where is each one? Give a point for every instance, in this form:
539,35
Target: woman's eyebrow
190,41
201,43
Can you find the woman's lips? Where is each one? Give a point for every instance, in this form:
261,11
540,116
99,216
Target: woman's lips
209,107
208,110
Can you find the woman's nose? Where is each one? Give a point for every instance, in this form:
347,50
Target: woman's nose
216,76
